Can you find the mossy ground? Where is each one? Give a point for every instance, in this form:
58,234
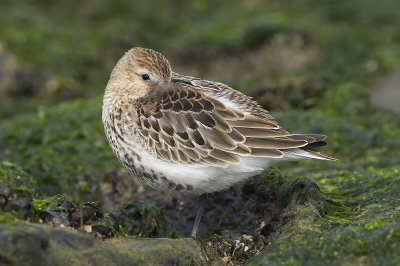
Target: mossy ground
353,220
313,63
55,146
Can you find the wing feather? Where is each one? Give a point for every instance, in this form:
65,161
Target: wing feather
273,153
225,156
184,124
254,122
262,132
274,143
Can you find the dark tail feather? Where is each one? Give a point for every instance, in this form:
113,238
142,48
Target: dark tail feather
314,140
316,144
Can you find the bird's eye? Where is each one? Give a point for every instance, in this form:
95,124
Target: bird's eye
145,77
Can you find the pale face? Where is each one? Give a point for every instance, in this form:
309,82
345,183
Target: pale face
145,78
137,72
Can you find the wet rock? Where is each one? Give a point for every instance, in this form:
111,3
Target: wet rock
52,217
33,244
82,214
17,190
354,221
55,210
66,206
140,219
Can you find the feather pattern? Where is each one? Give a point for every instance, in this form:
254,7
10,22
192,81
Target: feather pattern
184,133
186,124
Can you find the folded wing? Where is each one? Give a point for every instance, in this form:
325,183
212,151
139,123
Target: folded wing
187,126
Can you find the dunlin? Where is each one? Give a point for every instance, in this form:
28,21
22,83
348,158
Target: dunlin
181,133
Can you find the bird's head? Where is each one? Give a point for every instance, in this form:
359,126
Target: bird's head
138,72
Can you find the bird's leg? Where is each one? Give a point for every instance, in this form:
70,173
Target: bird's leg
202,202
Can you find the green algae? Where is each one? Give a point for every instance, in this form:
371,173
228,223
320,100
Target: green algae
50,203
16,183
355,219
303,242
63,147
17,190
376,191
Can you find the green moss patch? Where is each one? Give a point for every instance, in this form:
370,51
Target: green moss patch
17,190
64,147
354,219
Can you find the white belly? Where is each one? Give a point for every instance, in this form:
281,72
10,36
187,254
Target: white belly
203,178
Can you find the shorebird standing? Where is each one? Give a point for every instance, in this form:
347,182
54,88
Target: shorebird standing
181,133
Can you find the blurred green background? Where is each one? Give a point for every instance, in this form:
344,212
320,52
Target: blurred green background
313,64
293,51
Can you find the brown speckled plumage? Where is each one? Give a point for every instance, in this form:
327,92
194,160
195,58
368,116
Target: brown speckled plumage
182,133
181,119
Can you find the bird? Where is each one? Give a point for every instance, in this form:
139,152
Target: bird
184,134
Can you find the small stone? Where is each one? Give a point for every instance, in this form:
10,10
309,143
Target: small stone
80,215
226,259
100,229
87,228
67,205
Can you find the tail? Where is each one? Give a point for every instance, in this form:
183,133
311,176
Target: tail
307,152
304,153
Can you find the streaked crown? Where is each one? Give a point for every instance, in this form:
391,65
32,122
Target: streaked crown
151,60
138,72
